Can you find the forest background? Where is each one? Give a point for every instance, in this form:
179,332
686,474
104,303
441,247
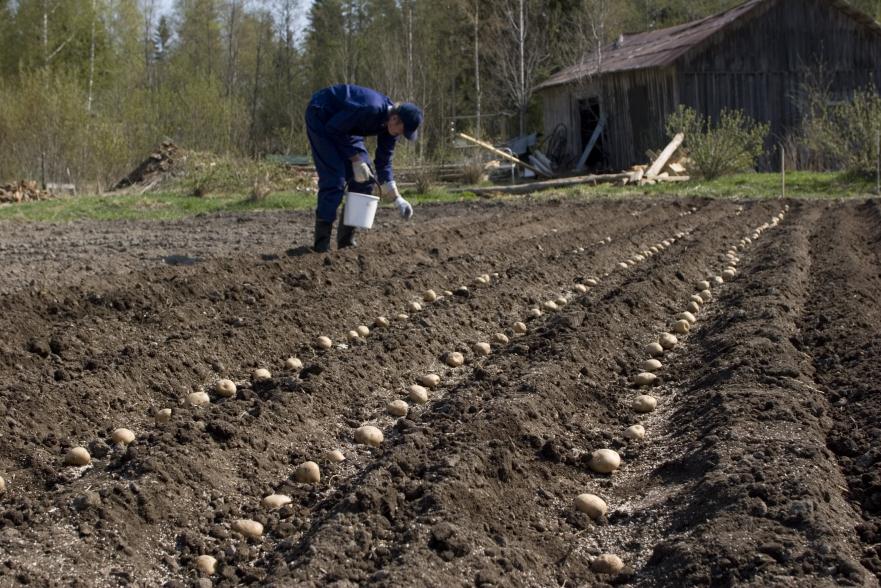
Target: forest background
88,87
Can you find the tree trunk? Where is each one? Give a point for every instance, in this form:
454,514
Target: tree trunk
477,62
92,57
522,34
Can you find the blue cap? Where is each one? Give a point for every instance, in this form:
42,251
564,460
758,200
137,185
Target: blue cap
411,115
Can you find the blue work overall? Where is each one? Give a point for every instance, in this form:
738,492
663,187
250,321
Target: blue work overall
337,120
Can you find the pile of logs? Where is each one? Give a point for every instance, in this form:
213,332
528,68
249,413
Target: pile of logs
23,191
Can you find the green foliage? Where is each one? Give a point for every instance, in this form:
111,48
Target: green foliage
844,134
175,205
89,94
732,144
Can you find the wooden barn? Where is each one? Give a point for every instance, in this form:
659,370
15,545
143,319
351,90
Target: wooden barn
755,57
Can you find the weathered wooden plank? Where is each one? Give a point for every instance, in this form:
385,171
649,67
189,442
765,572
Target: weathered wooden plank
665,156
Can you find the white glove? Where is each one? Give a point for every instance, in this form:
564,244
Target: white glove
390,189
361,171
404,208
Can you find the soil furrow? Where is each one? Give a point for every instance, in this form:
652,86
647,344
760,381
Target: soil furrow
472,457
753,496
840,330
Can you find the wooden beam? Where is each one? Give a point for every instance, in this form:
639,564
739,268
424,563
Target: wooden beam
500,153
664,157
582,161
547,184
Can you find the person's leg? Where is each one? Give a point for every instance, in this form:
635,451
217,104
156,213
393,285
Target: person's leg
331,168
345,235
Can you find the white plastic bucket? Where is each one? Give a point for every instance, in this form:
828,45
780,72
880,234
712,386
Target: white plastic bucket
360,210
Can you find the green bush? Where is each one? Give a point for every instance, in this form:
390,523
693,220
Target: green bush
731,145
844,135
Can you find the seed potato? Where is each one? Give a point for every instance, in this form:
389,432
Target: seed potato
429,296
703,285
687,316
591,281
275,501
668,340
368,435
634,432
605,461
500,338
429,380
414,306
293,363
417,394
335,456
226,388
398,408
78,456
651,365
206,564
607,563
163,416
455,359
681,326
645,379
535,312
381,322
198,399
262,374
248,528
550,305
323,342
122,436
519,328
363,330
353,335
706,295
580,288
645,403
693,307
402,317
308,472
591,505
654,349
482,349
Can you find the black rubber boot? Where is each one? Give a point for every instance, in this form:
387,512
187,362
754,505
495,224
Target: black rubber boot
345,236
323,230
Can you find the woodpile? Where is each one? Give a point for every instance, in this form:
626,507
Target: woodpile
152,170
23,191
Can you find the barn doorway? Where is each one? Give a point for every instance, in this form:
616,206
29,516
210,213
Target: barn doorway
589,109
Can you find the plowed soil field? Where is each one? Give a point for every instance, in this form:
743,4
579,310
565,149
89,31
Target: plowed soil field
760,464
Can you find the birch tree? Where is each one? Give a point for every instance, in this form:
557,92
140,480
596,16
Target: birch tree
521,50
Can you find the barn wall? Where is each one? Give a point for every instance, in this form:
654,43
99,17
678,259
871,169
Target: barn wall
760,65
635,102
560,107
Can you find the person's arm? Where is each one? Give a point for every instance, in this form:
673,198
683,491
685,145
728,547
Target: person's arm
385,152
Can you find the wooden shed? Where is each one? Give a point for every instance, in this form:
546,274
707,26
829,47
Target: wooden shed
756,57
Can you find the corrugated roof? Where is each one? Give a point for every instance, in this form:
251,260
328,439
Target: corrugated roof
662,47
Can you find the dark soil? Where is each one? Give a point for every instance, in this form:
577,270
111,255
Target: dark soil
759,467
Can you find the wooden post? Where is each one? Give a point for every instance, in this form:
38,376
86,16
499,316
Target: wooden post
665,156
782,171
878,163
501,154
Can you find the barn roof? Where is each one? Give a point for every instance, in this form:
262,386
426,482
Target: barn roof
661,47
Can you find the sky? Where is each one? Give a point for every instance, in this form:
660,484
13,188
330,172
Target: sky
166,6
